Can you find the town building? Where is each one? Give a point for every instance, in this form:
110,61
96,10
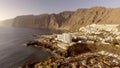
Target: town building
65,37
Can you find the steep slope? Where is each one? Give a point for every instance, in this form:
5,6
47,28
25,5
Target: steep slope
98,15
50,21
70,20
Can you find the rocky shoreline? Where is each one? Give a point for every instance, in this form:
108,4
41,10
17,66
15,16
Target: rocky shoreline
93,46
87,60
72,55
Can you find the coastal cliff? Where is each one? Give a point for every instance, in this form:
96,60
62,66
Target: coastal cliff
49,21
70,20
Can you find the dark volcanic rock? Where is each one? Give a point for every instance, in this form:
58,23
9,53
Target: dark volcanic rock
77,49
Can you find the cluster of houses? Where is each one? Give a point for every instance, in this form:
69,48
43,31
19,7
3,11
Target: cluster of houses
106,33
102,33
95,28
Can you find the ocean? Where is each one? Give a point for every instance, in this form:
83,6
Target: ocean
12,51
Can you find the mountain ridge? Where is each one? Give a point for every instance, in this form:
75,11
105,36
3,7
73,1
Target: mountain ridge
70,20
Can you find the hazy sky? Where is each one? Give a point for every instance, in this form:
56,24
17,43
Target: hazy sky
12,8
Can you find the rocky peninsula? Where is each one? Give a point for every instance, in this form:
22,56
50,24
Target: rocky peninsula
92,46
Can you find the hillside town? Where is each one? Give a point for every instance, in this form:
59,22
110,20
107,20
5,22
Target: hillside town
97,44
106,34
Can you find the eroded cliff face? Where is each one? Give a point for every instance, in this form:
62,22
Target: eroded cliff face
70,20
49,21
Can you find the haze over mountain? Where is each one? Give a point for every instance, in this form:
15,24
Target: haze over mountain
70,20
8,22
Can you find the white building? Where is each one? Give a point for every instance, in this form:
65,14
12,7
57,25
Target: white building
65,37
59,37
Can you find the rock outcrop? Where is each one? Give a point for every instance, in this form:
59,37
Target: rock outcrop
70,20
